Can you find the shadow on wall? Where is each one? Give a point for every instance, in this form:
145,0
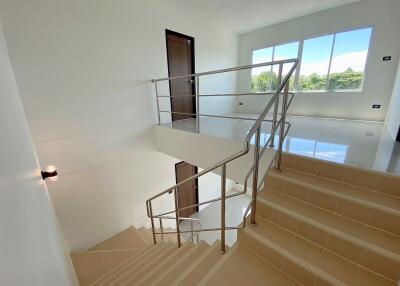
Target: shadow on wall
108,194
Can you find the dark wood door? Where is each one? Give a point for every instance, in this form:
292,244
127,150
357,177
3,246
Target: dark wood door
180,53
188,192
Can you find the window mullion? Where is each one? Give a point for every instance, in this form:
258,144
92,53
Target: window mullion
330,61
299,56
271,70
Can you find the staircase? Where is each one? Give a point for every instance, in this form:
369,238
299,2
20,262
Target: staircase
318,223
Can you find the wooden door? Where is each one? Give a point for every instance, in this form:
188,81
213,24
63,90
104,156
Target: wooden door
188,192
180,53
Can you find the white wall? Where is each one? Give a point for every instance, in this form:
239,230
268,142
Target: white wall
31,245
393,114
382,15
82,68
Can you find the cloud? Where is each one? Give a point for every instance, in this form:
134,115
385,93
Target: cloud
355,61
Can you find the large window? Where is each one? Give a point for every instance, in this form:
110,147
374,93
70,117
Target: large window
329,63
265,79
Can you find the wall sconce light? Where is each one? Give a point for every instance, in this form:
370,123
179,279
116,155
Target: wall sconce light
51,173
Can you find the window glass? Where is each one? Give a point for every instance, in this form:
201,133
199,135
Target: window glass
349,58
315,63
261,77
333,62
284,52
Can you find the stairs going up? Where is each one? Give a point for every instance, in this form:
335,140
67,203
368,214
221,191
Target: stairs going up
318,224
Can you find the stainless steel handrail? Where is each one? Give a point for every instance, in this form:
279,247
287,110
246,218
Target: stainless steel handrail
192,230
245,67
254,131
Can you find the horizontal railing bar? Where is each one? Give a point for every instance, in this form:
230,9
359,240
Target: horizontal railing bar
220,94
202,203
230,70
246,148
272,100
180,218
214,116
198,230
231,195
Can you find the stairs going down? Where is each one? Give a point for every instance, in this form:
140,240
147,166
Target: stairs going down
318,224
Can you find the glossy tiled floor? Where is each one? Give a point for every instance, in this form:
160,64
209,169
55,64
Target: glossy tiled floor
357,143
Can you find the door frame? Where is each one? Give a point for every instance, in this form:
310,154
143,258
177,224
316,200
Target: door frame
193,71
196,181
398,135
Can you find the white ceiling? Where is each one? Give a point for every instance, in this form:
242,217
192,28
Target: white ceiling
246,15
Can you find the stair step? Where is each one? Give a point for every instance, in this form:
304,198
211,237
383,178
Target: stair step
119,270
363,178
168,276
368,207
303,186
199,268
304,261
152,266
133,271
145,235
241,267
162,266
126,239
374,249
91,265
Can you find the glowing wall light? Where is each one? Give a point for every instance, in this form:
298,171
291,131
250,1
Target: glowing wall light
50,173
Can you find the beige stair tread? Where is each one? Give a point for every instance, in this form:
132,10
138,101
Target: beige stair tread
169,275
142,265
244,268
145,235
314,259
126,239
91,265
198,269
161,265
140,272
369,237
132,262
366,197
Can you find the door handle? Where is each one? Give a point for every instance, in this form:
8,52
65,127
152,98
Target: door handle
190,81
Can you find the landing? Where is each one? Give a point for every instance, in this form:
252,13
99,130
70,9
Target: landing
364,144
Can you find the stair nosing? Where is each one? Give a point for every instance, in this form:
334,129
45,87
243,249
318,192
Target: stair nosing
324,190
133,278
173,265
328,229
126,264
178,251
295,259
217,266
143,264
189,270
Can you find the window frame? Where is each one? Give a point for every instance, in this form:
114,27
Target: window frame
300,55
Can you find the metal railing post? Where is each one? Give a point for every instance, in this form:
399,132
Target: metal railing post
223,193
161,229
276,105
178,234
255,176
158,103
282,127
152,223
198,104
